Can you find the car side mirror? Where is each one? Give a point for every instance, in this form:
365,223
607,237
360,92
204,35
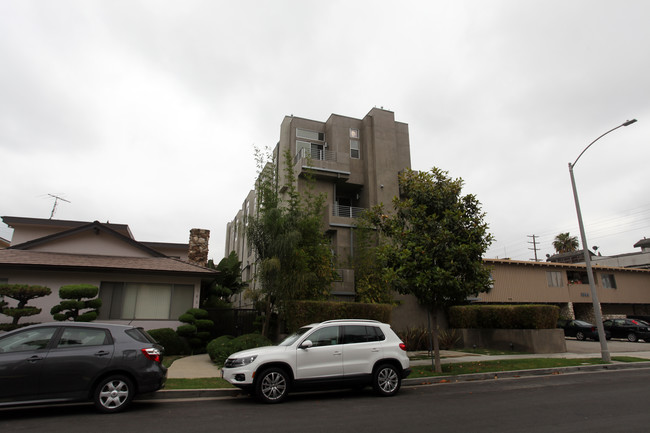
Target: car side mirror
306,344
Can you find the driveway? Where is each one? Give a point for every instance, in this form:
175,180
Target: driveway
614,346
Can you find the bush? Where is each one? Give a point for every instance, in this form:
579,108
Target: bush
305,312
504,316
197,329
75,298
220,348
416,339
173,344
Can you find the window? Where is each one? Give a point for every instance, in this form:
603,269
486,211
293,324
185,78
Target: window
310,135
609,282
328,336
554,279
33,339
361,334
145,300
577,277
79,337
354,148
354,133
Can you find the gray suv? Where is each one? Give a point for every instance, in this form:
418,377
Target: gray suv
335,354
67,361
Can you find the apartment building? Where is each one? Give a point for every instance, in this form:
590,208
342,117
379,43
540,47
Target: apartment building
355,164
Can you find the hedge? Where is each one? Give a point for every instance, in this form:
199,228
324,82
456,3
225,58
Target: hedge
504,316
220,348
306,312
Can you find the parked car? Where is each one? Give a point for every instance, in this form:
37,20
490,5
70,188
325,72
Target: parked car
73,361
334,354
581,330
631,329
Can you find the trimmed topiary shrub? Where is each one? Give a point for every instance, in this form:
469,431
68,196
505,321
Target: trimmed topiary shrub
22,293
75,299
219,348
173,344
197,329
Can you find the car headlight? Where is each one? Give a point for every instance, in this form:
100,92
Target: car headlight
240,362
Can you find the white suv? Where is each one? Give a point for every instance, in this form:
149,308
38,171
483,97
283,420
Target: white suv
335,353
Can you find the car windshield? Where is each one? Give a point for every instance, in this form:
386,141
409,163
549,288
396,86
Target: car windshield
293,337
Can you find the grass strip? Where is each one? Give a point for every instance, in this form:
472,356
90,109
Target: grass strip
454,369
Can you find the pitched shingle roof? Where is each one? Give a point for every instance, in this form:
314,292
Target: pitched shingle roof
25,259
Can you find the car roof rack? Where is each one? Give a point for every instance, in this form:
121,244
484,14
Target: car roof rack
351,320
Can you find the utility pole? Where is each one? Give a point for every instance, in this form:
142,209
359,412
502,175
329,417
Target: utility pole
534,248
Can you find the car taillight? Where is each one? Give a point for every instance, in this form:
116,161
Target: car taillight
402,346
593,329
152,354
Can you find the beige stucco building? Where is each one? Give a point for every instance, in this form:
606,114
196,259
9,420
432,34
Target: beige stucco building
355,163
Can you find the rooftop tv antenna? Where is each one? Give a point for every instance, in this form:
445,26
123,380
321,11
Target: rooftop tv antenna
56,201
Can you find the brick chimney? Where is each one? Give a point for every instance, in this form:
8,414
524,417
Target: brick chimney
198,252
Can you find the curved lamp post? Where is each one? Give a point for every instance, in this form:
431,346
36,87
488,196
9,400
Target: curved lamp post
594,296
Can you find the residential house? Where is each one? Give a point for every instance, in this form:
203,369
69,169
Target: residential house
149,284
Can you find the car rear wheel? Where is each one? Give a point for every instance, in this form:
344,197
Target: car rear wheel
386,380
632,337
580,336
272,385
113,394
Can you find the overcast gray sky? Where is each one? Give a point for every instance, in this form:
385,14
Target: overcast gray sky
146,113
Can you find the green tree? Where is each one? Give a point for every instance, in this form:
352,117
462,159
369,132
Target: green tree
197,329
369,283
565,243
293,255
227,283
77,297
22,293
436,239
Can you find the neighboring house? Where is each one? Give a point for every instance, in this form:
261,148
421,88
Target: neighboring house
355,163
149,284
621,291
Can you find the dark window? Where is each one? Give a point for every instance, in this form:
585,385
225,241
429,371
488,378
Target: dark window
361,334
328,336
33,339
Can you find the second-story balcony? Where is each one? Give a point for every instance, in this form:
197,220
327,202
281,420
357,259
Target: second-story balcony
322,162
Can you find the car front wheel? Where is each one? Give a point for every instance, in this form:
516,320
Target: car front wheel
580,336
632,337
113,394
272,385
386,380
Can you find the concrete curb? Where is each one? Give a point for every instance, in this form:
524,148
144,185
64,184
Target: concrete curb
188,394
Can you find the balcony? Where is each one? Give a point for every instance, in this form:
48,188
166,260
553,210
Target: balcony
322,163
347,211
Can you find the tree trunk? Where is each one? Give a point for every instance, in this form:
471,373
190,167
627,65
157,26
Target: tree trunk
435,359
267,319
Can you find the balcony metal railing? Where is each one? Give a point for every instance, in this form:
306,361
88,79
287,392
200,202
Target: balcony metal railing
315,155
347,211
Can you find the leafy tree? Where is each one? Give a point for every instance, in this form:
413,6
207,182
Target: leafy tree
226,284
369,283
293,256
76,297
22,293
435,242
565,243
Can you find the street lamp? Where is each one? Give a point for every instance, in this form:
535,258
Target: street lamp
594,296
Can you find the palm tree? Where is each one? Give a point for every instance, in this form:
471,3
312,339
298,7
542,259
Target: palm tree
565,243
